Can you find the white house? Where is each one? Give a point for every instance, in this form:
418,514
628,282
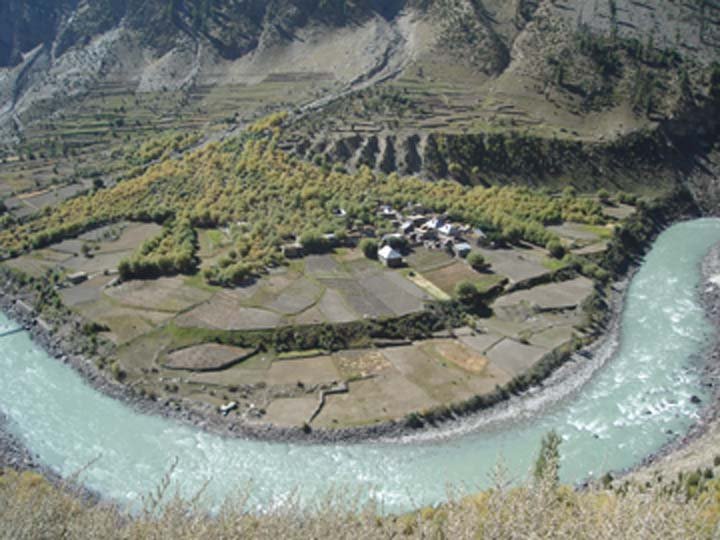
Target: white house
450,230
389,257
435,223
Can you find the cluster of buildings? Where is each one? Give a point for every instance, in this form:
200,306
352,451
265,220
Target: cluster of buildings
416,227
432,231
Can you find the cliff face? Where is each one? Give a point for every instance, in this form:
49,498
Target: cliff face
233,27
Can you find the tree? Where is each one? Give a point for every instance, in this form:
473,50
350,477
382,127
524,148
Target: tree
369,248
556,249
477,262
314,242
547,464
468,295
399,243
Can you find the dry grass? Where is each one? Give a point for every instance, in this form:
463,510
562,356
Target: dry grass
32,508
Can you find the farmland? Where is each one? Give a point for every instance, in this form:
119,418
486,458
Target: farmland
181,268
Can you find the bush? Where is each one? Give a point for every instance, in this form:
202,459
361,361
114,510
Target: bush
604,196
477,262
468,295
369,248
314,242
556,249
399,243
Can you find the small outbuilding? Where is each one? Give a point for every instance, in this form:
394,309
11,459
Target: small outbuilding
462,249
389,257
77,278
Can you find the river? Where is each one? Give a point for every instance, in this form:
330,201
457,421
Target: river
609,419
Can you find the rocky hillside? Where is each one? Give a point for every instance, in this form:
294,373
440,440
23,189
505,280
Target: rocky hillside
483,91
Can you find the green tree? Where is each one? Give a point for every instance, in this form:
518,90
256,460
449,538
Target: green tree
556,249
477,262
314,242
369,248
468,295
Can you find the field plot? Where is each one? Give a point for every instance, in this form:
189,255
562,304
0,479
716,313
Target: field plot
456,353
130,237
619,211
107,247
553,296
206,357
214,244
222,313
28,203
322,265
427,260
125,323
447,277
357,298
31,265
291,412
372,400
308,371
398,294
97,263
516,264
163,294
360,363
87,291
583,239
515,357
297,297
334,307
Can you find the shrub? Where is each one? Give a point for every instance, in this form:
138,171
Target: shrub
369,248
468,295
314,242
556,249
399,243
477,262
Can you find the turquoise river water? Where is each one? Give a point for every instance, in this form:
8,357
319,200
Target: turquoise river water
611,414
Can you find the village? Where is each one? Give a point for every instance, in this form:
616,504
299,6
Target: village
167,332
415,227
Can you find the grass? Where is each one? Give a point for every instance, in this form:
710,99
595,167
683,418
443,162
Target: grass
301,354
31,507
427,285
488,281
553,264
604,232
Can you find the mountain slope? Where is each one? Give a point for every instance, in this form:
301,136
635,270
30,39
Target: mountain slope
430,87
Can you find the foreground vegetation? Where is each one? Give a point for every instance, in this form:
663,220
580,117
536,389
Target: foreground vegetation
30,507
